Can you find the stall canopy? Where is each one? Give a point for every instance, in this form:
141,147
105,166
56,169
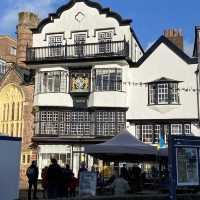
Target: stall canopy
123,147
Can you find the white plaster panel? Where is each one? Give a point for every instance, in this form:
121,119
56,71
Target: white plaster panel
54,149
107,99
162,63
92,20
52,69
53,99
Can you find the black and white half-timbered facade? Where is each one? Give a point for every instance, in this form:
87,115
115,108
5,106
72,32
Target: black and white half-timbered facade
93,79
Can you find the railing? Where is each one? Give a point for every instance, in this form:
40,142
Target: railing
78,51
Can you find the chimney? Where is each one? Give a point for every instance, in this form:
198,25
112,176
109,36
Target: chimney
27,21
175,36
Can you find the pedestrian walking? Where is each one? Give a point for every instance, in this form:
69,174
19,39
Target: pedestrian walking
32,174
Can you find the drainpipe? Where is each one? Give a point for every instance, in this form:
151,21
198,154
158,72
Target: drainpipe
198,78
197,82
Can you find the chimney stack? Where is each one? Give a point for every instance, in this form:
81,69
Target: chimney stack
27,21
175,36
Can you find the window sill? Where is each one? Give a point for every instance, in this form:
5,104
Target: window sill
110,91
50,93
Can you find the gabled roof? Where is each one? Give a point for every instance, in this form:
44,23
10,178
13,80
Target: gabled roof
69,5
24,74
164,79
171,46
134,35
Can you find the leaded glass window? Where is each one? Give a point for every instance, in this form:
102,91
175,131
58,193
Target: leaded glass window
151,133
107,79
50,82
105,39
176,129
163,93
55,43
79,40
79,123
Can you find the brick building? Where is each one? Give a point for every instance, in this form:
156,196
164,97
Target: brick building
16,91
8,46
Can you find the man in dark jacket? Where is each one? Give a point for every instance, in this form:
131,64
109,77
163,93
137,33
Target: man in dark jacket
32,174
54,177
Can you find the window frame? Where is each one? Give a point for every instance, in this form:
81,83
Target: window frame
58,78
102,80
79,122
105,39
55,42
166,95
165,129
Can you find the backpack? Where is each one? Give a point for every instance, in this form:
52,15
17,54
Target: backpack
30,172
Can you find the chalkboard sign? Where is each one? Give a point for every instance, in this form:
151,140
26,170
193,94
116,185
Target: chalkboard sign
87,184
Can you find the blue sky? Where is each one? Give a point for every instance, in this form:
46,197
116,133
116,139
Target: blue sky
150,17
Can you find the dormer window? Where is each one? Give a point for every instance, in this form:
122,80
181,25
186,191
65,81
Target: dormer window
79,41
105,39
163,91
55,41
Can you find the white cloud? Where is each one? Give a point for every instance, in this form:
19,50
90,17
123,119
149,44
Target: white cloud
10,18
188,48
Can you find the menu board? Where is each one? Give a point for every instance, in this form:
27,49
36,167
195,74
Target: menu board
187,166
87,184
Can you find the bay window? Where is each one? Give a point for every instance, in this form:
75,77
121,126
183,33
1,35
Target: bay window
163,91
48,82
107,80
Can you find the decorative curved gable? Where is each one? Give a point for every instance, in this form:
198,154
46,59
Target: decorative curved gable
106,11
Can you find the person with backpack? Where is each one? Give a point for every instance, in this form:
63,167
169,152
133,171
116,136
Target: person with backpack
32,174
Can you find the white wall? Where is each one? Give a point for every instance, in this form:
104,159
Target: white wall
53,99
108,99
92,20
96,99
10,150
162,63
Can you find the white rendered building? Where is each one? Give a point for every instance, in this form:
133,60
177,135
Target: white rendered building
92,79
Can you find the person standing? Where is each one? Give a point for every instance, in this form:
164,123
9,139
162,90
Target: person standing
54,177
124,172
72,186
82,168
120,186
32,174
44,181
67,177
